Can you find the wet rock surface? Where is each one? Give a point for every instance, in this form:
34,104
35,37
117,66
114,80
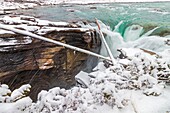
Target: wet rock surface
43,65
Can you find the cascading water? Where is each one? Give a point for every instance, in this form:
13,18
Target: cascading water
136,25
133,32
132,25
133,38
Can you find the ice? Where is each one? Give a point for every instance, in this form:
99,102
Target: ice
149,32
153,43
113,39
100,67
116,29
83,78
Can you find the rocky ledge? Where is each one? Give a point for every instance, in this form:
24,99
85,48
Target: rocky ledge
25,60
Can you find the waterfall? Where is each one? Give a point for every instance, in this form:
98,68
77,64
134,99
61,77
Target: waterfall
113,39
133,32
133,38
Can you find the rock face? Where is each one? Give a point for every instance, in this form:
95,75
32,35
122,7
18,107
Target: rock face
43,65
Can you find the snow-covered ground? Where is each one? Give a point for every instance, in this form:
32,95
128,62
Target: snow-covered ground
122,88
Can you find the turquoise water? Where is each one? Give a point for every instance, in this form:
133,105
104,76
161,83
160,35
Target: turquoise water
148,15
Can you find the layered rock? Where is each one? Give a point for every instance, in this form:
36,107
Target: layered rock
25,60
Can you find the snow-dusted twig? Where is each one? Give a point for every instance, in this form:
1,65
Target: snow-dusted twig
105,43
52,41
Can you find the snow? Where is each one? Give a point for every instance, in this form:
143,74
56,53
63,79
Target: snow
122,88
105,90
109,90
6,32
112,81
46,30
13,41
22,19
30,24
20,106
14,6
18,93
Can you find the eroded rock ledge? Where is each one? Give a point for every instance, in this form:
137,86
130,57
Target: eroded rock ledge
43,65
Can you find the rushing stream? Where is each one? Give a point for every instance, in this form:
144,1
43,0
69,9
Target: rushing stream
148,15
124,23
